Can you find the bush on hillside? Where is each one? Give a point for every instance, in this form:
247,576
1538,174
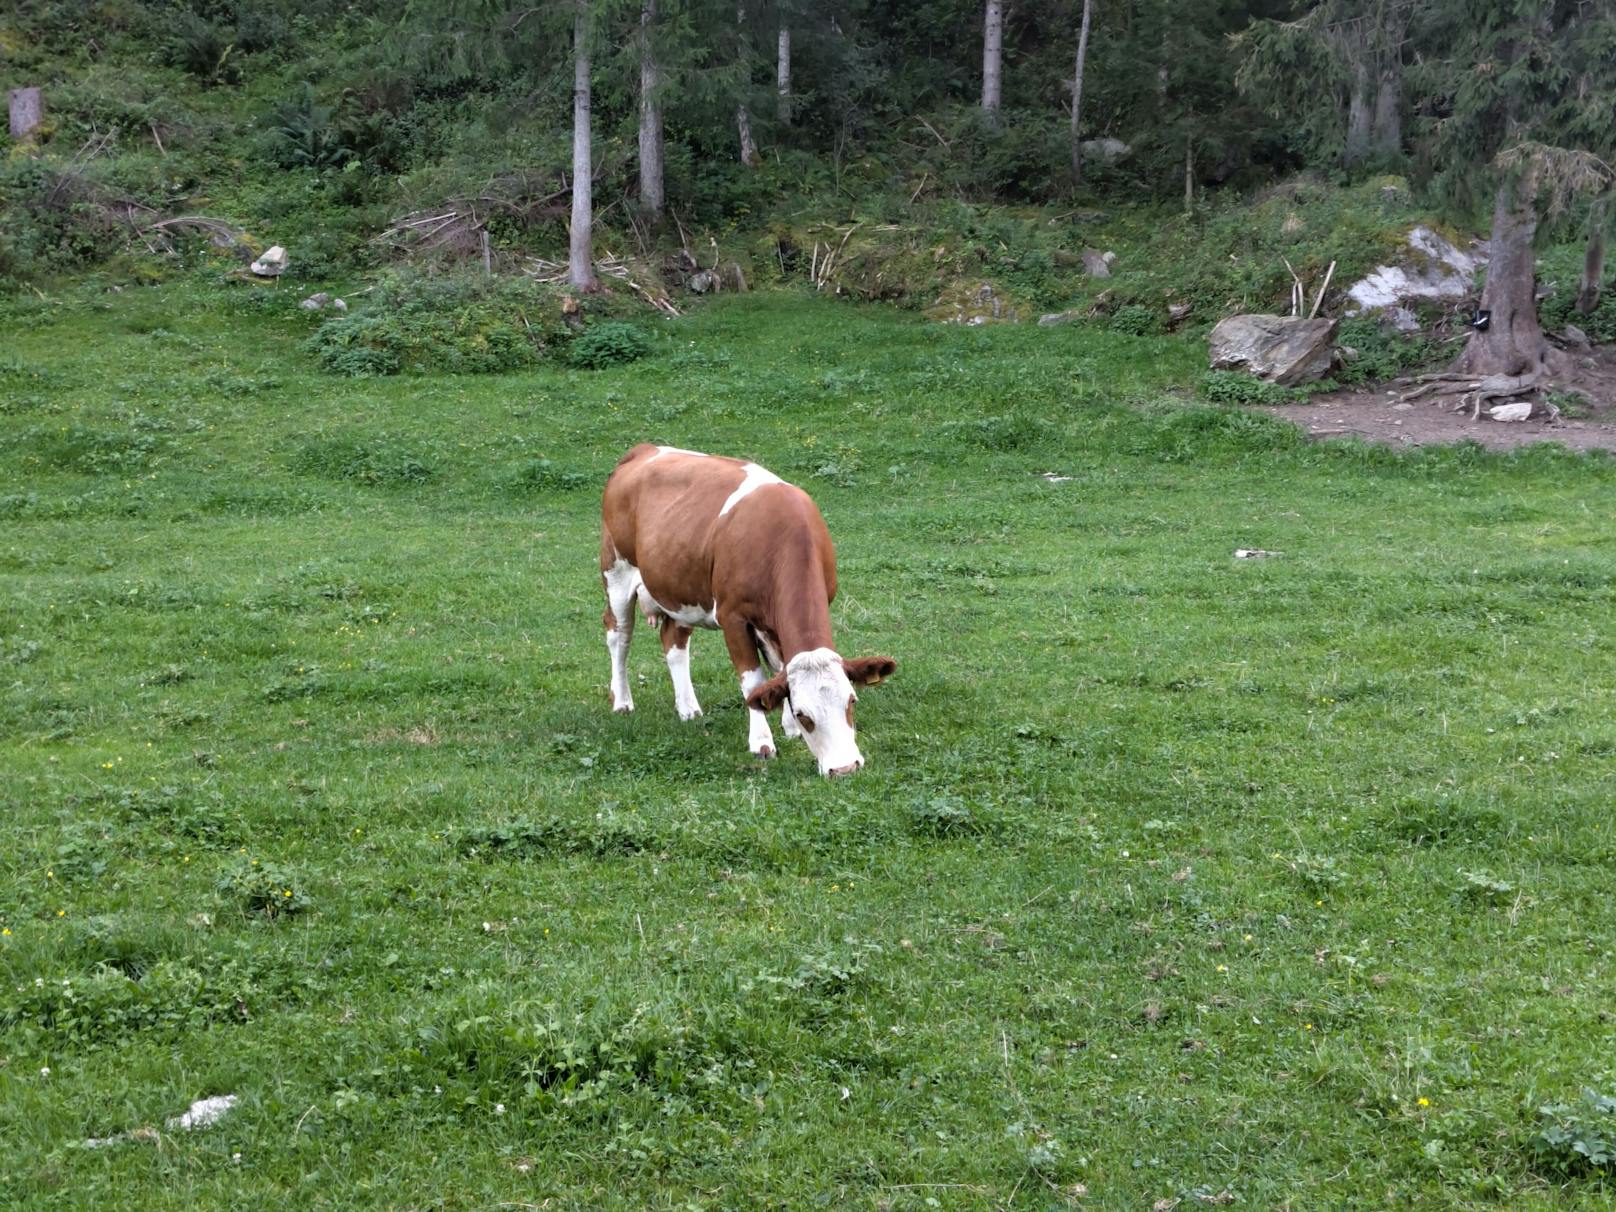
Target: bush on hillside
609,343
1380,353
458,323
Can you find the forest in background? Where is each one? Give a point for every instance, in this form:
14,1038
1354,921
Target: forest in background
710,121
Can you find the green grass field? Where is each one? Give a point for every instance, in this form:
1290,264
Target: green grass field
1273,883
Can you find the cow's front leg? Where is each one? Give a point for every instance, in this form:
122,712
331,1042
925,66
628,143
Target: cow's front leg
743,654
759,739
676,648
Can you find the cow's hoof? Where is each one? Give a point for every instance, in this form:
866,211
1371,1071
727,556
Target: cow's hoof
690,715
623,709
765,753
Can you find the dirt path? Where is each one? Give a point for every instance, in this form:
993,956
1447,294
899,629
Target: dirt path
1375,415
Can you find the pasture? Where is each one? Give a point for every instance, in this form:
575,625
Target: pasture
1265,883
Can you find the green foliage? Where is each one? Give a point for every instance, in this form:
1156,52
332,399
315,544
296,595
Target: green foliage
1236,387
1381,353
545,475
107,1006
1135,319
266,890
608,343
461,324
375,462
1578,1136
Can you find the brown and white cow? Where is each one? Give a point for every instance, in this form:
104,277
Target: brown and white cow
705,541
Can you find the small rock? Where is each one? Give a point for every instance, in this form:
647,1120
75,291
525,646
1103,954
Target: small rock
1515,410
703,281
315,301
984,292
1576,339
1405,406
1058,317
1254,553
203,1113
272,264
1096,264
1178,312
339,305
1402,319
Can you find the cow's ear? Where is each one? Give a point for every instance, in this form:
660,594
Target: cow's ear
867,671
770,695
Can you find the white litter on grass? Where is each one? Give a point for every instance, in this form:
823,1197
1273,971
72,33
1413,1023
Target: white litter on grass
1052,477
1254,553
204,1113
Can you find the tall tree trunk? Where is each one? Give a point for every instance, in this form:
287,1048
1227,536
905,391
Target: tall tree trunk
992,55
27,110
743,120
1386,131
581,258
1512,343
652,197
1077,94
782,77
1593,268
1359,118
1189,174
749,150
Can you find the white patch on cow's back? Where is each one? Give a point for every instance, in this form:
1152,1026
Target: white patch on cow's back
662,450
756,478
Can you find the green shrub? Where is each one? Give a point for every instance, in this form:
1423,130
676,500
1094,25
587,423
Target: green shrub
1577,1136
455,323
1379,353
542,475
259,889
1237,387
609,343
1136,319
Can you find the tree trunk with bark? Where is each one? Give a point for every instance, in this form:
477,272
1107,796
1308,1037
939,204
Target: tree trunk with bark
1512,342
581,253
782,77
992,56
1189,174
1077,94
27,111
1593,270
652,197
1386,126
1359,119
743,120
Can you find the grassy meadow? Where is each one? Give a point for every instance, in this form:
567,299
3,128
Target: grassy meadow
1263,883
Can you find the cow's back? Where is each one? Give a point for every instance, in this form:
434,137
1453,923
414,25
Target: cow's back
658,513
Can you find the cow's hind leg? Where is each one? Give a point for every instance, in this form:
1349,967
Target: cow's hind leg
743,653
622,580
676,648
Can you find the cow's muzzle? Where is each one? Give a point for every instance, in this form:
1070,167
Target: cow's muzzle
836,772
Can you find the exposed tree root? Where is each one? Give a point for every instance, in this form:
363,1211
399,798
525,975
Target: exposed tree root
1474,391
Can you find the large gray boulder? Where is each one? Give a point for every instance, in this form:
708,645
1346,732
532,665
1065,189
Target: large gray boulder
1433,270
1281,349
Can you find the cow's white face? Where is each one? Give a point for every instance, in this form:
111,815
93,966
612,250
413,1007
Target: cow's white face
821,702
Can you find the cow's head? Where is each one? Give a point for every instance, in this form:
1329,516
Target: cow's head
817,688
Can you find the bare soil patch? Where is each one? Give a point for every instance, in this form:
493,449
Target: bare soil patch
1377,414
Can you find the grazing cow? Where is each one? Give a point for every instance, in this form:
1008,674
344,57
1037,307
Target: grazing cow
705,541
